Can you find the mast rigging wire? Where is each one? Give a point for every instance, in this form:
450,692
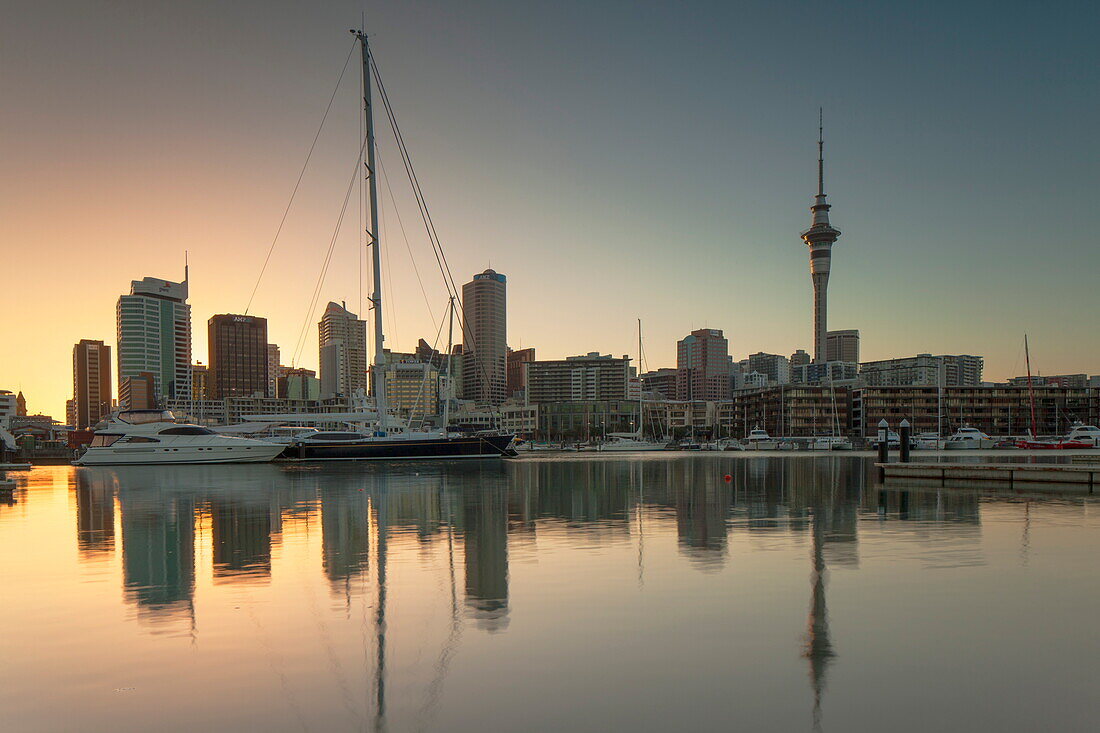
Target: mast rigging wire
328,256
429,223
298,182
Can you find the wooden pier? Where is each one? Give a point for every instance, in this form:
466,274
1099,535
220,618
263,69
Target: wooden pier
1074,477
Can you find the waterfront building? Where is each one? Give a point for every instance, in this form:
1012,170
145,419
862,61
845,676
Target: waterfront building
8,407
519,418
830,372
70,412
238,356
297,384
20,404
691,417
703,362
342,339
843,345
1057,380
775,367
517,369
998,410
589,377
200,382
91,383
660,382
786,411
800,357
232,410
273,360
820,238
484,338
587,419
923,370
154,335
138,392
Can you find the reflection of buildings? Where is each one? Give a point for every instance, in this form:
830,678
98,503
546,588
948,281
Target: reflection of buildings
95,517
345,532
241,537
485,520
158,550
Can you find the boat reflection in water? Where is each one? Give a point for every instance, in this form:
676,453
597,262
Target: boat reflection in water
468,515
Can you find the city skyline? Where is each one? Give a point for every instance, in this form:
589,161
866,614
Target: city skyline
731,189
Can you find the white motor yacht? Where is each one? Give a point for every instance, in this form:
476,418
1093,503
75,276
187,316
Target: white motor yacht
968,438
136,437
1081,433
758,439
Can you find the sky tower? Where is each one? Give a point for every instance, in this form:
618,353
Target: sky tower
820,238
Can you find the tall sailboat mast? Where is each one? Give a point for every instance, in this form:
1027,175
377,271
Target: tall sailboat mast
1030,386
374,242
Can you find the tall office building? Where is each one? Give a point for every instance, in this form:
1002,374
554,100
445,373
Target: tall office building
138,392
703,363
484,336
154,336
820,238
238,356
517,369
843,345
342,337
273,358
776,368
200,381
91,383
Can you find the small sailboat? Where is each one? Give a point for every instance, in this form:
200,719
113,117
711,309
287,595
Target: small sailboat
634,441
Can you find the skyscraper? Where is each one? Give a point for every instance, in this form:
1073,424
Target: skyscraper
517,369
154,335
843,345
703,365
484,334
343,343
91,383
238,356
820,238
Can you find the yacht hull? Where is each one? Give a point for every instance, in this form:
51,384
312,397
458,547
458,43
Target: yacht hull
144,456
477,446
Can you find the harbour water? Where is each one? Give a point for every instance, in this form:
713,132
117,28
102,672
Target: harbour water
580,593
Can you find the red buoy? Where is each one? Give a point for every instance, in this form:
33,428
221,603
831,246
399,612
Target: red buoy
728,478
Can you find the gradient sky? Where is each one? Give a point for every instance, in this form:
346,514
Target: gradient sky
617,160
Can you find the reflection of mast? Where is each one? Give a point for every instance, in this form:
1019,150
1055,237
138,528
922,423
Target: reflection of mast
819,648
641,532
380,612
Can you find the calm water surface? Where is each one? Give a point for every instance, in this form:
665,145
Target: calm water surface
540,595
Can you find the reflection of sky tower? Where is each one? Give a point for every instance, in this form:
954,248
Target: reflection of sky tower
820,238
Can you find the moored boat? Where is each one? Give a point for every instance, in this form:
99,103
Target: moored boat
143,437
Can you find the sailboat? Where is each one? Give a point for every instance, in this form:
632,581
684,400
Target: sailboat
389,440
635,441
1072,441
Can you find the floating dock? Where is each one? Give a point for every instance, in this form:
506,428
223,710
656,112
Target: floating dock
1074,477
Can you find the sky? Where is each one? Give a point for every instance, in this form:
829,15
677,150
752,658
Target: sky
616,160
